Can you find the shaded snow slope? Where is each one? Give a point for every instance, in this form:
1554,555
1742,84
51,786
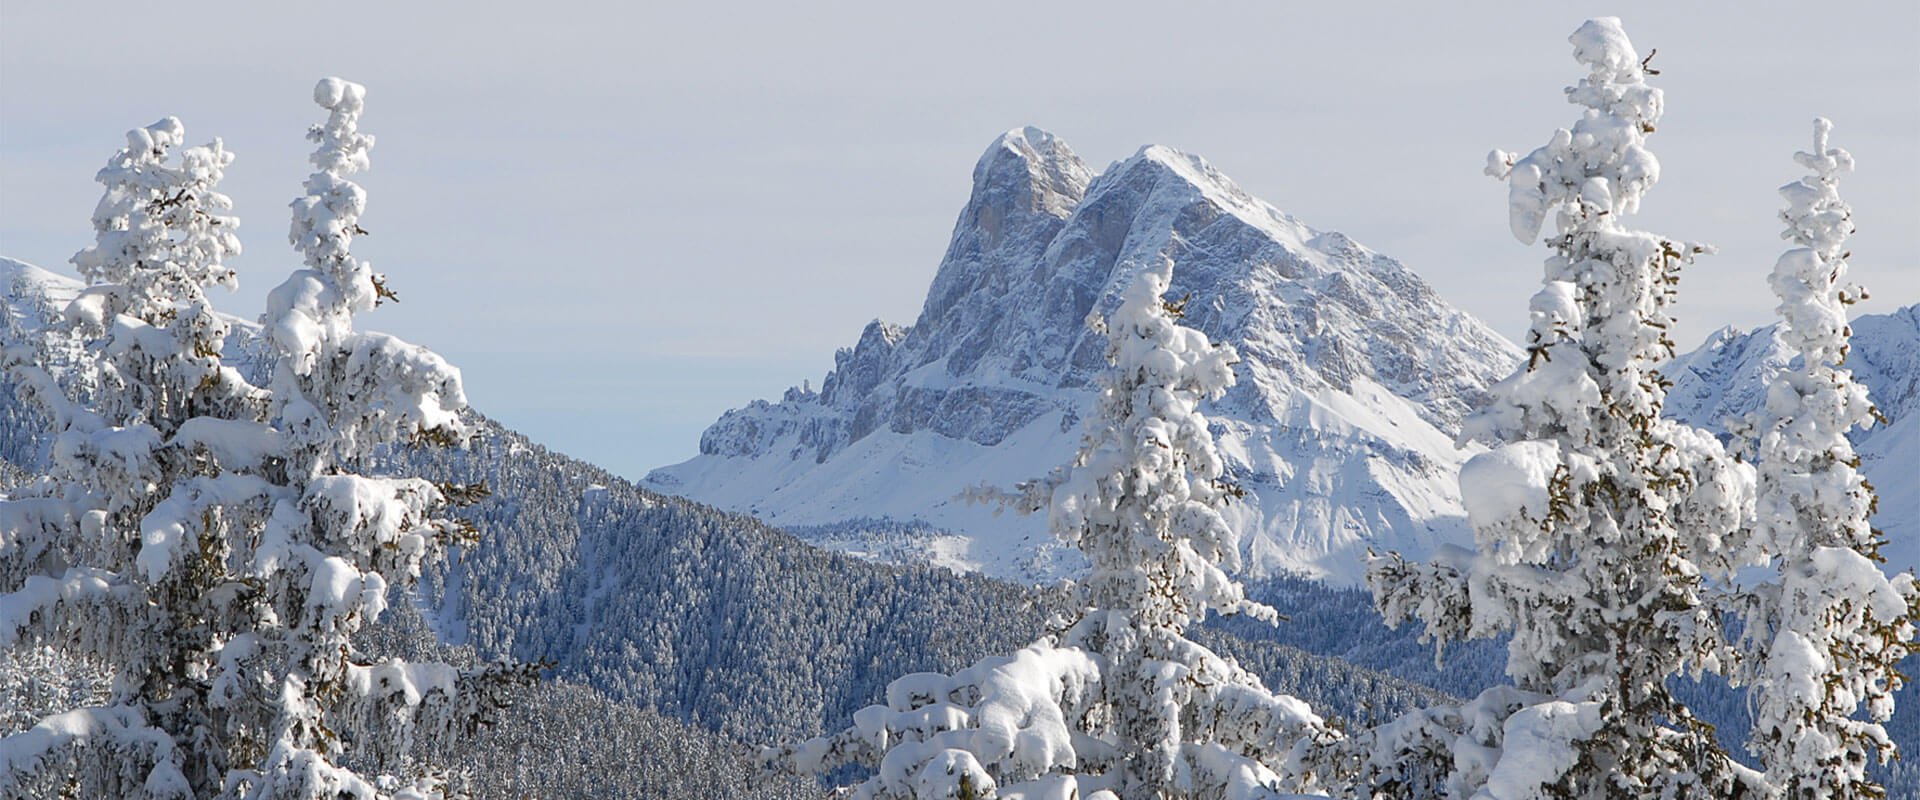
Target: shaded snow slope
25,285
1354,379
30,298
1727,376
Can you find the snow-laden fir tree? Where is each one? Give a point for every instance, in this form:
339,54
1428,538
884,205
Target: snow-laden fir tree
1596,520
1823,636
336,540
1116,701
69,545
207,538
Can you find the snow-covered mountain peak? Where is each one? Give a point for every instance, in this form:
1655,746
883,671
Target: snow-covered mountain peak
1354,379
1025,186
1192,174
1036,166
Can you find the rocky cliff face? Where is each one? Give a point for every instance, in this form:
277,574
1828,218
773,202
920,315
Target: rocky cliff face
1354,379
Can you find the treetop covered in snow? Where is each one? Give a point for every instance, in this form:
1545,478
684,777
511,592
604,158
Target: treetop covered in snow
1601,166
1822,636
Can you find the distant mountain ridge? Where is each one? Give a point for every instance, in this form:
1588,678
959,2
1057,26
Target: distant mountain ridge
1727,375
1354,379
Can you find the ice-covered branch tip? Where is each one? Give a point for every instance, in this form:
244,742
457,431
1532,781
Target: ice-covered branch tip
337,93
1825,162
1816,217
158,139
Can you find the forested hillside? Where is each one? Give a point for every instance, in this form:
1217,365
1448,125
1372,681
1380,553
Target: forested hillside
719,619
661,612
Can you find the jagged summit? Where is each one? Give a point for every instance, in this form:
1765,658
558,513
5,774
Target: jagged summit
1034,168
1355,377
1025,187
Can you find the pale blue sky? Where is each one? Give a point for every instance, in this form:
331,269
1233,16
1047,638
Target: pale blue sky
622,219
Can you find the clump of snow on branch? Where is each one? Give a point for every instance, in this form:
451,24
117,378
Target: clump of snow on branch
1597,522
1823,636
1114,702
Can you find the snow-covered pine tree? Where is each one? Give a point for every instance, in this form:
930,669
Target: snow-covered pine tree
1116,701
1822,638
1596,520
127,440
160,242
206,537
336,540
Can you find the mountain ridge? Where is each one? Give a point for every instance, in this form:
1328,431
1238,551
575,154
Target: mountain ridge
1726,378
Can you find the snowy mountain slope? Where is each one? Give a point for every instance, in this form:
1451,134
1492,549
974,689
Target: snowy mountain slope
23,284
1354,378
1726,377
29,298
